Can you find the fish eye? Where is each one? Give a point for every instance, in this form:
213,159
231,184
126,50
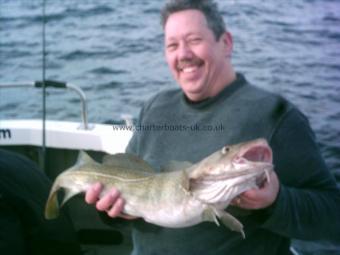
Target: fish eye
225,149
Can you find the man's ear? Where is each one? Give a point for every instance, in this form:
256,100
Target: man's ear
227,41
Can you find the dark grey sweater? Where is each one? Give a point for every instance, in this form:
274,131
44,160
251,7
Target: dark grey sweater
172,128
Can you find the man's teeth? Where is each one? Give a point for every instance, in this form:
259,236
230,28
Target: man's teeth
189,69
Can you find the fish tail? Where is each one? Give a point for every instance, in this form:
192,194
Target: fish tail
69,193
52,205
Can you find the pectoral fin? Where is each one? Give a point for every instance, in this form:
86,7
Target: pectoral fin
209,214
230,221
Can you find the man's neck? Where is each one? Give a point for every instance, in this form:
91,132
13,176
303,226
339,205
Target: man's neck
229,76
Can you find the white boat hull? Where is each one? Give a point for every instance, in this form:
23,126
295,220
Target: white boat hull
65,135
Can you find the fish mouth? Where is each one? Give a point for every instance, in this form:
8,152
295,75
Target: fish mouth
252,159
258,154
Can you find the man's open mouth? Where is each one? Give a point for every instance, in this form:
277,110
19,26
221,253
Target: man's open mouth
190,66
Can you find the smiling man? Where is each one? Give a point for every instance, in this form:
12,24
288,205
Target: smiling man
199,61
301,200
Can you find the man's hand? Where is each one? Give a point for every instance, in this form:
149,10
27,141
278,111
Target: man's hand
259,198
111,202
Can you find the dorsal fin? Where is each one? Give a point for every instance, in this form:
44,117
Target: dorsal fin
84,158
185,183
176,166
127,161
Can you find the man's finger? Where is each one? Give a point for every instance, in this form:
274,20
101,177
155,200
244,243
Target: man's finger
108,200
116,208
92,194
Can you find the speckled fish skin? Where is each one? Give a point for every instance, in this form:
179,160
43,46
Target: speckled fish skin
182,195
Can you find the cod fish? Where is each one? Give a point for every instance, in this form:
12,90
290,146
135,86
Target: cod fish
182,195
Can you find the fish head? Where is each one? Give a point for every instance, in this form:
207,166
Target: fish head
247,158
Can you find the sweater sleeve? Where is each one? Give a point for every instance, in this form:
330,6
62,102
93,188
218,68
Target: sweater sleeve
308,203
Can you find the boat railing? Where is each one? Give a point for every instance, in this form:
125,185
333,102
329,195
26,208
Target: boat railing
59,85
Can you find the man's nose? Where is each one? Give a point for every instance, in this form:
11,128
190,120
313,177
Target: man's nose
184,51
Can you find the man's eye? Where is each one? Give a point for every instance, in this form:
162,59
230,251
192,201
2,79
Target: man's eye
171,46
195,40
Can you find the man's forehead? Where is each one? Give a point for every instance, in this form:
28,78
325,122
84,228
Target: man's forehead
186,17
185,22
